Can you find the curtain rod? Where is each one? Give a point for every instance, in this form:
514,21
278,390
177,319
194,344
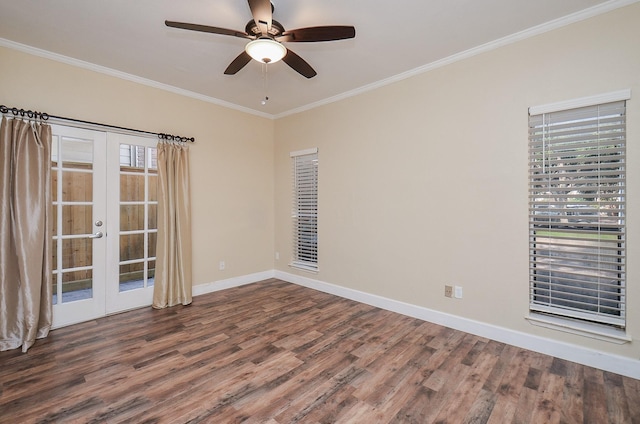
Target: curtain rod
30,114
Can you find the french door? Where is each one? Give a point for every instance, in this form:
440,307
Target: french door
104,223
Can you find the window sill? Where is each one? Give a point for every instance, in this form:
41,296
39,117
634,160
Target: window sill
304,267
585,329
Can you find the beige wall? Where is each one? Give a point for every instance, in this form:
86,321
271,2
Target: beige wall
424,182
231,161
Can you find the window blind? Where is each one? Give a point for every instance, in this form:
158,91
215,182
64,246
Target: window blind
577,213
305,209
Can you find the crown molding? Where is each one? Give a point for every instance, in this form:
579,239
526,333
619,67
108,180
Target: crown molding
510,39
492,45
125,76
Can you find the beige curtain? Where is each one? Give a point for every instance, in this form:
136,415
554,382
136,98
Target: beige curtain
173,252
25,233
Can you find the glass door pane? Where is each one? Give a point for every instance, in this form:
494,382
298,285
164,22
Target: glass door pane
138,170
133,205
73,251
78,166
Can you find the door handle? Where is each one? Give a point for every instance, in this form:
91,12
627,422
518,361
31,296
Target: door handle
96,235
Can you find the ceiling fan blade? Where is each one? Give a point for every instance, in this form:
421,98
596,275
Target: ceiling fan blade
319,33
299,64
262,14
206,28
238,63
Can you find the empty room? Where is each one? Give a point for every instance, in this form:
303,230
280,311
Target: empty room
226,211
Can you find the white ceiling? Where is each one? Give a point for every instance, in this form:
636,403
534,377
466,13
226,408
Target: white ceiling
393,39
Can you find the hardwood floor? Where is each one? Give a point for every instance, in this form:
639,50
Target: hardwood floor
273,352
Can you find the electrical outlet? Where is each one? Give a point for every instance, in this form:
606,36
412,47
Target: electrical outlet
222,265
448,291
277,256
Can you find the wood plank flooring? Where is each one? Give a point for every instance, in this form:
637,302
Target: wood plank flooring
273,352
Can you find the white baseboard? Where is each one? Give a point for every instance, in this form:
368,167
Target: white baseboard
589,357
200,289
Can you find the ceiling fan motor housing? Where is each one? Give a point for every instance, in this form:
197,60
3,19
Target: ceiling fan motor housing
252,29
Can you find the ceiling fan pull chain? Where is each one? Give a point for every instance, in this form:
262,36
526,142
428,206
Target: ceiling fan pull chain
265,76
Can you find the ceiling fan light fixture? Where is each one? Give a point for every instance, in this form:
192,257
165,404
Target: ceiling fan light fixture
265,50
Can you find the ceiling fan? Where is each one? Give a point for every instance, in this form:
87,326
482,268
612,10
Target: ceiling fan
267,36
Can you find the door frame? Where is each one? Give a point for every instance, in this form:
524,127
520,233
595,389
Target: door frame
106,296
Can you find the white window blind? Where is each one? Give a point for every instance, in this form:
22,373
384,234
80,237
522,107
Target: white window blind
577,213
305,209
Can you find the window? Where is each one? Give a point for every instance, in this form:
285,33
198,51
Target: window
577,212
134,156
305,209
